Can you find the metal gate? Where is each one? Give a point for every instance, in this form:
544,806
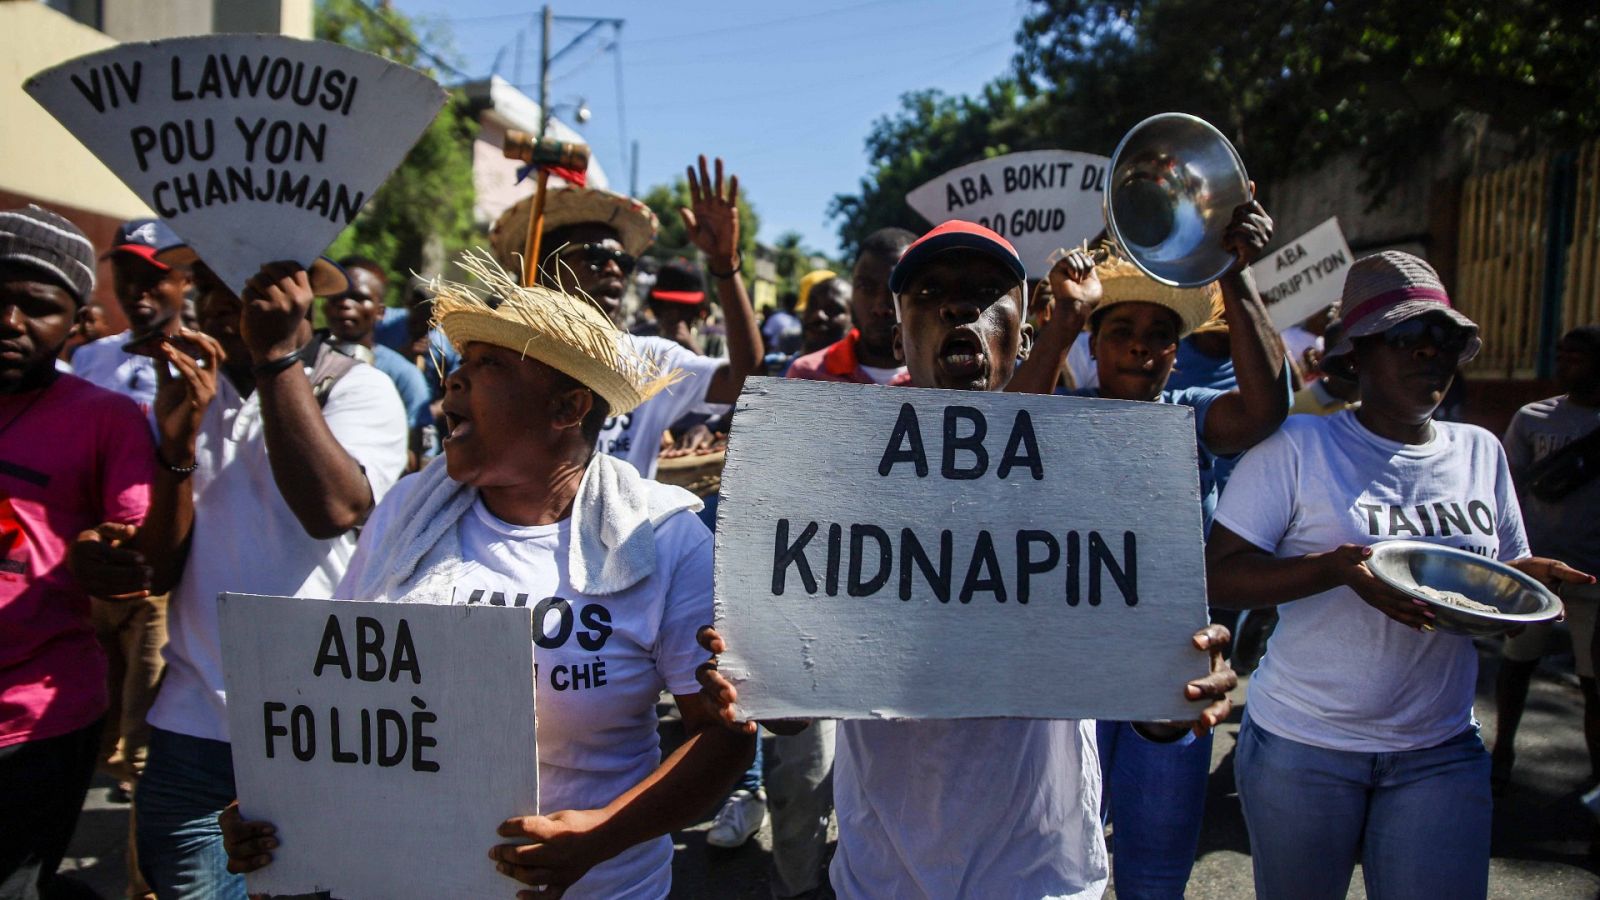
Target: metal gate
1528,264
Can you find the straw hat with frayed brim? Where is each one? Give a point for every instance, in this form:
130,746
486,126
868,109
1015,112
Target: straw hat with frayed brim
1122,282
567,333
635,224
328,278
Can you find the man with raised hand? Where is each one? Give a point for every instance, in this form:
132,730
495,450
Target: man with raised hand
272,449
590,243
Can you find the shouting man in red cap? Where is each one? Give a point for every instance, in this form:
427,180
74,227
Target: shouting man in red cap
1026,821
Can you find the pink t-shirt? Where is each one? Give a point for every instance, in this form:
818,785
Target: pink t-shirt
71,456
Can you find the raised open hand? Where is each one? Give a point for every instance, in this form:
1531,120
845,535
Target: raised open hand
712,218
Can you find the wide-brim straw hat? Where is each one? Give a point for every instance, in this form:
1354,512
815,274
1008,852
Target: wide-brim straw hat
1122,282
635,223
1385,289
568,333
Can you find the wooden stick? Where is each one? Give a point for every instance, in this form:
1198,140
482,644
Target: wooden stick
530,256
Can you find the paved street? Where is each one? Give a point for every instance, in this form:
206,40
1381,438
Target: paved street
1541,845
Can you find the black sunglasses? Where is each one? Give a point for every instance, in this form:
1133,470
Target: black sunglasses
1446,336
595,256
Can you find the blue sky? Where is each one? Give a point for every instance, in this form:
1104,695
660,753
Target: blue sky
786,93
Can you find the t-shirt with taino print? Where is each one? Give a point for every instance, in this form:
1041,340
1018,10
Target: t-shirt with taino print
1340,674
601,662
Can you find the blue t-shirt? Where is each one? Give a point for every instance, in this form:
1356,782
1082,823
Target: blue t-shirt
1199,399
409,381
1191,368
393,332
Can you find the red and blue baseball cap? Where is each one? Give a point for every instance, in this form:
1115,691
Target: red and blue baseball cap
955,235
144,238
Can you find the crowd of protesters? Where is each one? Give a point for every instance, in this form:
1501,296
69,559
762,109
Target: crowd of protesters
474,437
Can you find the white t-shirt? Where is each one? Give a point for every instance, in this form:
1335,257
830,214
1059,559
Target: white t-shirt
102,362
601,662
1081,364
636,436
968,808
881,374
247,540
1339,674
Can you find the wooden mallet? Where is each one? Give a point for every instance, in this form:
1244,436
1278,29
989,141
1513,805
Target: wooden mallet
542,153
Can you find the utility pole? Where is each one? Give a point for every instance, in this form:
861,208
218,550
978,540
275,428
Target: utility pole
633,175
544,75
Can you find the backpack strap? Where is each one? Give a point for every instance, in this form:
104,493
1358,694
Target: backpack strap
328,366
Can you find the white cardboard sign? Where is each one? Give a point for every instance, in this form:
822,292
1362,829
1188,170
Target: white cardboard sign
1039,200
254,147
1304,275
958,555
386,741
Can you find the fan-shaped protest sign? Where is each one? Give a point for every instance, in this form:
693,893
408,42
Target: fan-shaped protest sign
1040,200
254,148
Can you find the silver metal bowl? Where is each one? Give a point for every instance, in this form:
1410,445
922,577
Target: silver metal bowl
1520,599
1175,181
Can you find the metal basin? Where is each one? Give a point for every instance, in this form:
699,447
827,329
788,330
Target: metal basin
1520,599
1175,181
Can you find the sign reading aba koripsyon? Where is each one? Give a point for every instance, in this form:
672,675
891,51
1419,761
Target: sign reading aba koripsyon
385,741
255,148
1039,200
1304,275
964,555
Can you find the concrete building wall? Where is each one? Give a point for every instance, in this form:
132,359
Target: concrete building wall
149,20
40,161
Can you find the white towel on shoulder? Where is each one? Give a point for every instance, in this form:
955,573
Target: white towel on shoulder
613,544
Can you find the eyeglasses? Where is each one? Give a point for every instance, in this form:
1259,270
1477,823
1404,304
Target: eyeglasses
1444,335
595,256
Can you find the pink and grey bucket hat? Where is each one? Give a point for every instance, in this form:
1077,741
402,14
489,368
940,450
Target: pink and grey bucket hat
1385,289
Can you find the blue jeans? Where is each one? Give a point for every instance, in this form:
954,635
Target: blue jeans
751,780
1417,820
1155,798
186,783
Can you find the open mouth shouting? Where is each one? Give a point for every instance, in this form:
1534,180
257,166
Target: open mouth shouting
457,426
961,356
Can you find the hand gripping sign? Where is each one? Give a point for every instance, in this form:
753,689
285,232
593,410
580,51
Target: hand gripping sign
966,555
254,148
385,741
1040,200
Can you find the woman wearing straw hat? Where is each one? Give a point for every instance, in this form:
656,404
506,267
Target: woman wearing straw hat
523,505
1359,742
1155,794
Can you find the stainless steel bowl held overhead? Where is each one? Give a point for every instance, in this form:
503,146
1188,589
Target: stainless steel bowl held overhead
1517,599
1175,181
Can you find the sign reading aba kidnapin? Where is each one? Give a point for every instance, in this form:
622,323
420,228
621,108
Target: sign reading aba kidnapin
255,148
947,554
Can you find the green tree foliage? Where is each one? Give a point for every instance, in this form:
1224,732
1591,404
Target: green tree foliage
1292,84
1305,79
422,214
929,135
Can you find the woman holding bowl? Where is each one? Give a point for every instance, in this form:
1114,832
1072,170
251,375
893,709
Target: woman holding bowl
1359,741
